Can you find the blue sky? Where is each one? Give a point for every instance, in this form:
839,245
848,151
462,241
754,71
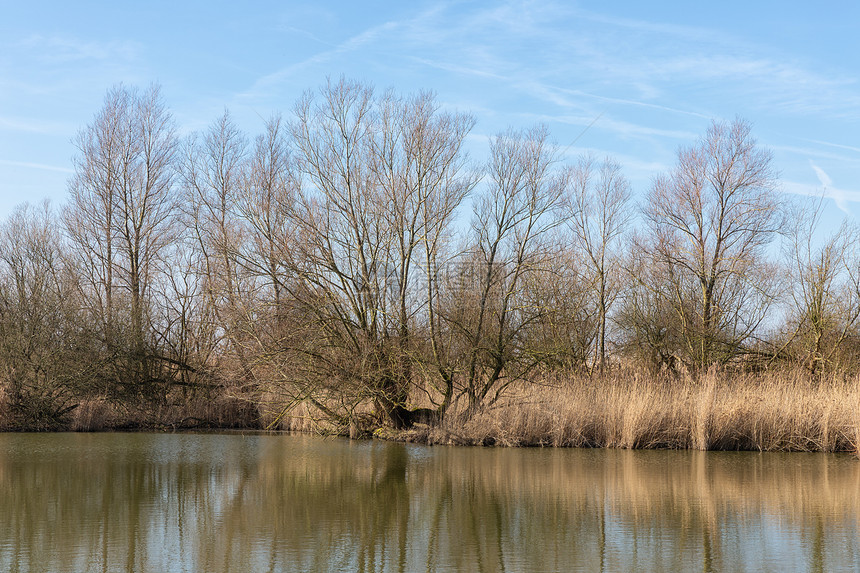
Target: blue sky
646,79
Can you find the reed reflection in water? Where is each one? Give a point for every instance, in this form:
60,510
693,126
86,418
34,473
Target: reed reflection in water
148,502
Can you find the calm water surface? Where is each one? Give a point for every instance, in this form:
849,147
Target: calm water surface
163,503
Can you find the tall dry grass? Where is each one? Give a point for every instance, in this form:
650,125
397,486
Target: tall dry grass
4,407
278,414
226,411
764,412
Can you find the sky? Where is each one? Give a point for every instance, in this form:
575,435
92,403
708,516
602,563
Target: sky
628,79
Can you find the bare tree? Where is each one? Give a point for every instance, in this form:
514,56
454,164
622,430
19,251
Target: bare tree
424,176
120,218
43,364
146,207
650,330
94,190
508,253
565,329
382,177
824,293
340,250
184,323
710,219
268,195
213,177
600,213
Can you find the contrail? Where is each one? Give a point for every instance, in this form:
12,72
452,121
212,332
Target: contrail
581,133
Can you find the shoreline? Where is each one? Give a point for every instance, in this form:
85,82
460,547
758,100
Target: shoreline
626,410
422,435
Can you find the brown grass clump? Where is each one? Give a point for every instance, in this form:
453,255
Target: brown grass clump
95,414
776,413
4,406
281,413
769,412
274,415
201,412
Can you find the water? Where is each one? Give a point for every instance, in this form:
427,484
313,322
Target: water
197,502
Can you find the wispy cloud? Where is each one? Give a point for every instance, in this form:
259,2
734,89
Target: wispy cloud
808,151
572,97
459,69
836,145
39,166
50,68
34,125
679,32
66,49
267,83
839,196
619,127
823,177
649,63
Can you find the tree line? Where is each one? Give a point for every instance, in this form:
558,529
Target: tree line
353,258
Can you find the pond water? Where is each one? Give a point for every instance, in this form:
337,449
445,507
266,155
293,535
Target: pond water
229,502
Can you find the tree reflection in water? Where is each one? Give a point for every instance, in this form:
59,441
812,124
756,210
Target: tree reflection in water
138,502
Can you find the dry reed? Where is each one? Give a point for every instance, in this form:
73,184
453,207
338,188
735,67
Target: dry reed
765,412
4,407
224,411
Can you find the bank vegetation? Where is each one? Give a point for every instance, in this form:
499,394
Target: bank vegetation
352,270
